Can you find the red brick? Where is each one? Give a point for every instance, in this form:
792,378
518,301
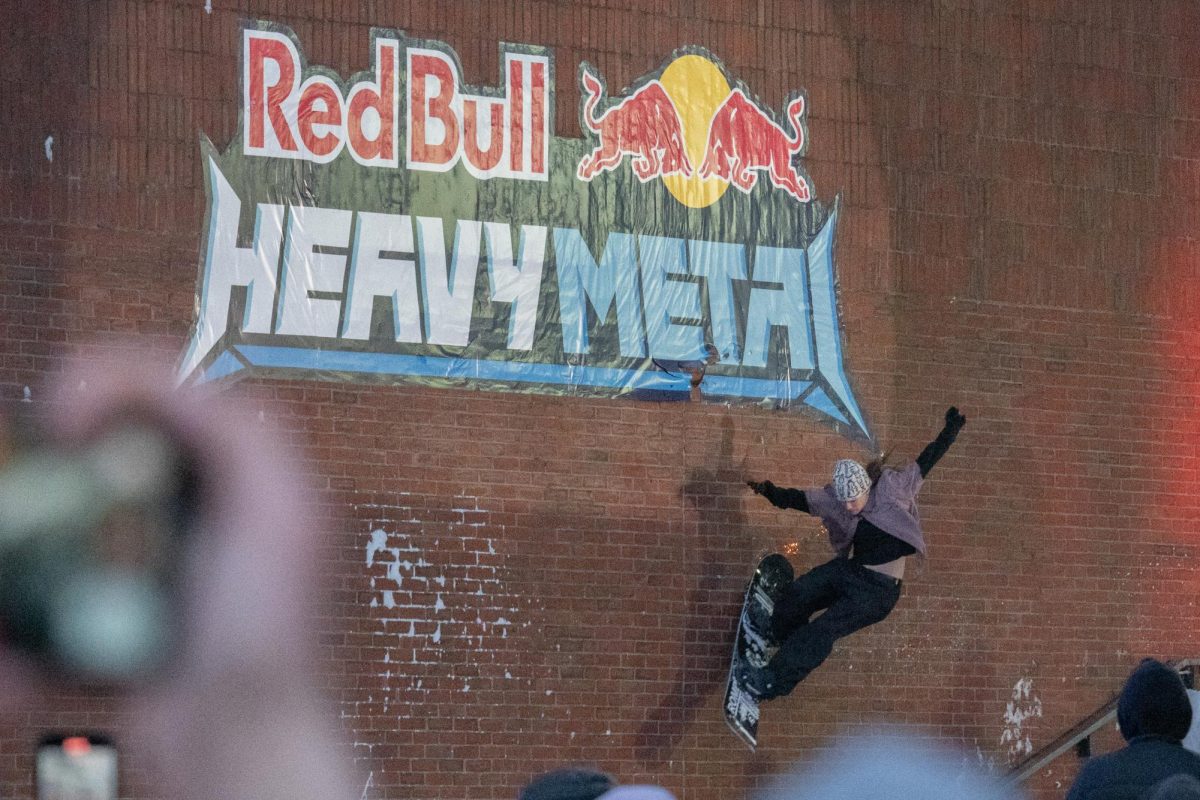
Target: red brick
1021,200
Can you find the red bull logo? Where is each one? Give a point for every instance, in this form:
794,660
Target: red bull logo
645,125
743,140
698,134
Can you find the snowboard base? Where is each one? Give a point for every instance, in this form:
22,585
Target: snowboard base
751,645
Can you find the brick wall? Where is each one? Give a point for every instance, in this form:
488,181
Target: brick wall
519,581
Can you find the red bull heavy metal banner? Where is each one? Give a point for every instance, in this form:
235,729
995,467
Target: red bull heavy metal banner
403,226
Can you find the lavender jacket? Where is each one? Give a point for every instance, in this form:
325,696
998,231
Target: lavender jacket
891,507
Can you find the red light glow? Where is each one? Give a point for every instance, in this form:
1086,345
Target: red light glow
75,746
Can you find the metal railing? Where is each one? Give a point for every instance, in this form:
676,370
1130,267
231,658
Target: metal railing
1079,737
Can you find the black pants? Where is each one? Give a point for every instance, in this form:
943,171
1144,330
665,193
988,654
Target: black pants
853,597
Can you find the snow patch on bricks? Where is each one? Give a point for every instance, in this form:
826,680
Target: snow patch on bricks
1022,706
436,580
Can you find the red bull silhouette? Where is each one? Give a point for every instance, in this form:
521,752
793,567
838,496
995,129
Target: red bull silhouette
645,125
743,140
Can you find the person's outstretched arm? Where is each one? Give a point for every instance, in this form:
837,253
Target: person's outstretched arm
780,497
938,447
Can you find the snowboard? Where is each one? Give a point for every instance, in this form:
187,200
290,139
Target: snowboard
752,643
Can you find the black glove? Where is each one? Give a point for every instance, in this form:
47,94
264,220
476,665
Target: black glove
759,487
938,447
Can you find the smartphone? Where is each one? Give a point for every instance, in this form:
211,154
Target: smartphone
76,767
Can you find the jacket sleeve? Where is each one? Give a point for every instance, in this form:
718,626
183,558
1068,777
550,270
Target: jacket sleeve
785,498
821,502
824,504
907,480
817,502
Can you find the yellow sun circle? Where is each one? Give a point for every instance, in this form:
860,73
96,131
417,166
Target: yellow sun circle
697,88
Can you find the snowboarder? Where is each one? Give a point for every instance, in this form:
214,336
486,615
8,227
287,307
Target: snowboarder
873,525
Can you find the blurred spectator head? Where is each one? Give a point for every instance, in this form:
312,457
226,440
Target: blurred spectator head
889,765
587,783
568,783
1154,702
637,792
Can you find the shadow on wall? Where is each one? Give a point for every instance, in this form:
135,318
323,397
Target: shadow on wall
712,496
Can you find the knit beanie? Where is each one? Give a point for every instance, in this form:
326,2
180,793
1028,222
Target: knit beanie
568,783
849,480
1154,702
